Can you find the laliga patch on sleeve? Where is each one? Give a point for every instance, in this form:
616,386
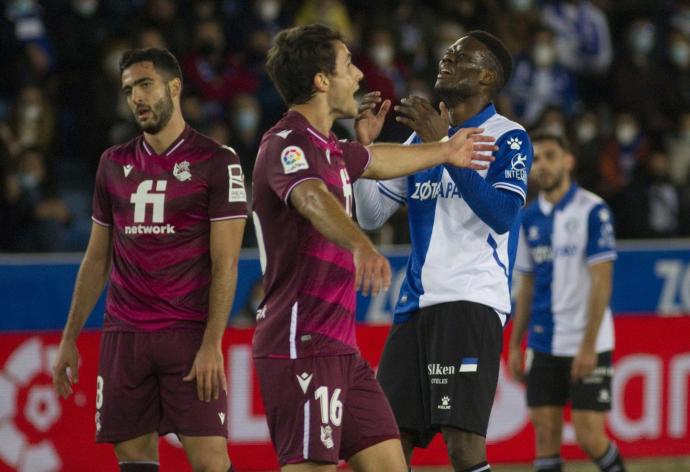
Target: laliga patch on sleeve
293,159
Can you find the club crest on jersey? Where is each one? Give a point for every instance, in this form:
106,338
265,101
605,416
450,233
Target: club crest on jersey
293,159
514,143
181,171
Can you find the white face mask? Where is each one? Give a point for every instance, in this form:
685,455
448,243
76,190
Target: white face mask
382,55
586,131
85,8
31,112
680,55
626,133
269,10
247,120
642,38
544,55
521,6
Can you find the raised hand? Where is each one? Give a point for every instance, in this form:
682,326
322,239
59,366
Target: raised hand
417,113
471,149
368,124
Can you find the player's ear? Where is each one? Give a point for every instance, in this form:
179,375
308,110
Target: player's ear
175,85
569,161
321,82
487,77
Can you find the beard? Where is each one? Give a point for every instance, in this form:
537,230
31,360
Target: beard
453,94
162,112
550,185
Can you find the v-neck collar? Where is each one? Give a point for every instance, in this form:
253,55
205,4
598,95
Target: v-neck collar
181,139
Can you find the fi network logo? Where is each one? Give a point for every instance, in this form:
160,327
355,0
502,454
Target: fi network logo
142,199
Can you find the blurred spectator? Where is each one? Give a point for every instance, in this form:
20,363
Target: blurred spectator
328,12
213,73
624,153
514,21
650,204
675,91
6,229
637,61
31,36
678,145
586,139
37,215
539,81
583,40
472,14
32,123
680,17
414,22
164,15
245,135
151,37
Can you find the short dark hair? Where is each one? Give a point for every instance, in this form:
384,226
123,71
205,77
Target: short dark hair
297,55
163,61
543,134
500,59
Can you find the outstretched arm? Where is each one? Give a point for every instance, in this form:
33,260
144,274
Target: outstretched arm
373,208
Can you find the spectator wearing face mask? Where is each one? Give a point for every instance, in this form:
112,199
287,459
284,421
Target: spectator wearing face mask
245,118
539,81
32,123
384,72
586,140
678,145
331,13
635,75
37,214
622,154
676,76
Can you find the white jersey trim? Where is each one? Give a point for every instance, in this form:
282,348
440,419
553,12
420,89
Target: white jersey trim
293,332
602,257
305,435
227,218
95,220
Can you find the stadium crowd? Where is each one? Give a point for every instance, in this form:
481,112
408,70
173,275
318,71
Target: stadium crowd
614,77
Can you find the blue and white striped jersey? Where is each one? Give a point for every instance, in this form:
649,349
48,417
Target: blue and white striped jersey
558,243
455,255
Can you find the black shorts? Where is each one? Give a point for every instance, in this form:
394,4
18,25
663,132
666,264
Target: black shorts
440,368
549,383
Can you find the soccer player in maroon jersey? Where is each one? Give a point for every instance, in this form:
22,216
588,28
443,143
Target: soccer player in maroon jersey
168,215
322,400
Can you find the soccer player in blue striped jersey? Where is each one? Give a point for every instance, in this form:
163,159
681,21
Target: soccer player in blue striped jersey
566,254
440,364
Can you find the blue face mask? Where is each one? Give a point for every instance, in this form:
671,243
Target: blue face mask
247,120
28,181
642,38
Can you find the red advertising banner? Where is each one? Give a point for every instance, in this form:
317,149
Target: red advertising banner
41,432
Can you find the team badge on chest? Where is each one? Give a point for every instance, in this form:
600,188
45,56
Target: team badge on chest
181,171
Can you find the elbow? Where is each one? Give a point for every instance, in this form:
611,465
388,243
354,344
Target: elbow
500,227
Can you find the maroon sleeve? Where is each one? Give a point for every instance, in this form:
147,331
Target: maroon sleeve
102,205
227,196
290,161
356,157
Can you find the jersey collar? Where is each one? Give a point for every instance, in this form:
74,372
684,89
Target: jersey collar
547,207
181,139
487,112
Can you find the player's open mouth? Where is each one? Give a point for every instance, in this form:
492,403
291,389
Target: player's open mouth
444,72
143,113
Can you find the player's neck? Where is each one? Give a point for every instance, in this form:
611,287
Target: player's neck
165,137
554,196
464,109
317,116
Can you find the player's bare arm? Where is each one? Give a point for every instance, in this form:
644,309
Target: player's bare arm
312,200
208,368
417,113
520,322
467,148
601,275
92,276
